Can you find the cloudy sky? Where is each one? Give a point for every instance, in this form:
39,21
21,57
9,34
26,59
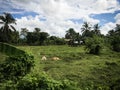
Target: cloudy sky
57,16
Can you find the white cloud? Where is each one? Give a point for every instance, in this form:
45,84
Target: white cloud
68,8
59,12
117,18
105,6
111,25
50,26
107,27
28,22
91,20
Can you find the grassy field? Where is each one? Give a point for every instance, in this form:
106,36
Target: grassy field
76,65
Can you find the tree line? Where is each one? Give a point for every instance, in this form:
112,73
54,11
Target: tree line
91,36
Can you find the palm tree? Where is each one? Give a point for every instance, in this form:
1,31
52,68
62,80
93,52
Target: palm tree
117,28
111,32
86,31
96,29
24,32
86,27
7,19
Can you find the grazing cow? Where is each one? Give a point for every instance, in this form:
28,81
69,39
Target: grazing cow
55,58
44,58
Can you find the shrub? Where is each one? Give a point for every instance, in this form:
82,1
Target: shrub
115,43
16,66
8,85
94,44
43,82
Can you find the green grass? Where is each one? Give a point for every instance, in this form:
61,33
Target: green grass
76,65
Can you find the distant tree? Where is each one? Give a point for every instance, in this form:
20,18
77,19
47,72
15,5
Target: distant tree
37,30
24,32
86,31
36,37
32,38
114,38
7,29
15,37
53,37
23,35
111,32
43,37
86,27
78,37
54,40
117,29
96,29
71,35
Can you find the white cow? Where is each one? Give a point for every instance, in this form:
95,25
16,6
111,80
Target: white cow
55,58
44,58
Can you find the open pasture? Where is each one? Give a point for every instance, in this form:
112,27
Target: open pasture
76,65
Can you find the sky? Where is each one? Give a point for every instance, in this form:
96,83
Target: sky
57,16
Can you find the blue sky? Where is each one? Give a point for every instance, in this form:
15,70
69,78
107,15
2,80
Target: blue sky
57,16
106,17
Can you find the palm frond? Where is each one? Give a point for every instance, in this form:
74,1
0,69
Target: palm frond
1,22
9,18
2,28
2,18
13,28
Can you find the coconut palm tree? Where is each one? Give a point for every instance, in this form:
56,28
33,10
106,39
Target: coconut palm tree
86,27
86,30
7,20
96,29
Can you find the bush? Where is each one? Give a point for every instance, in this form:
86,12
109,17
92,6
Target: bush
115,43
114,38
43,82
16,66
8,85
94,44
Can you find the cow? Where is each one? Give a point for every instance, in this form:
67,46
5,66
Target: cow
44,58
55,58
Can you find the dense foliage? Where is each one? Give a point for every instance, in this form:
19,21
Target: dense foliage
44,82
17,64
15,67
